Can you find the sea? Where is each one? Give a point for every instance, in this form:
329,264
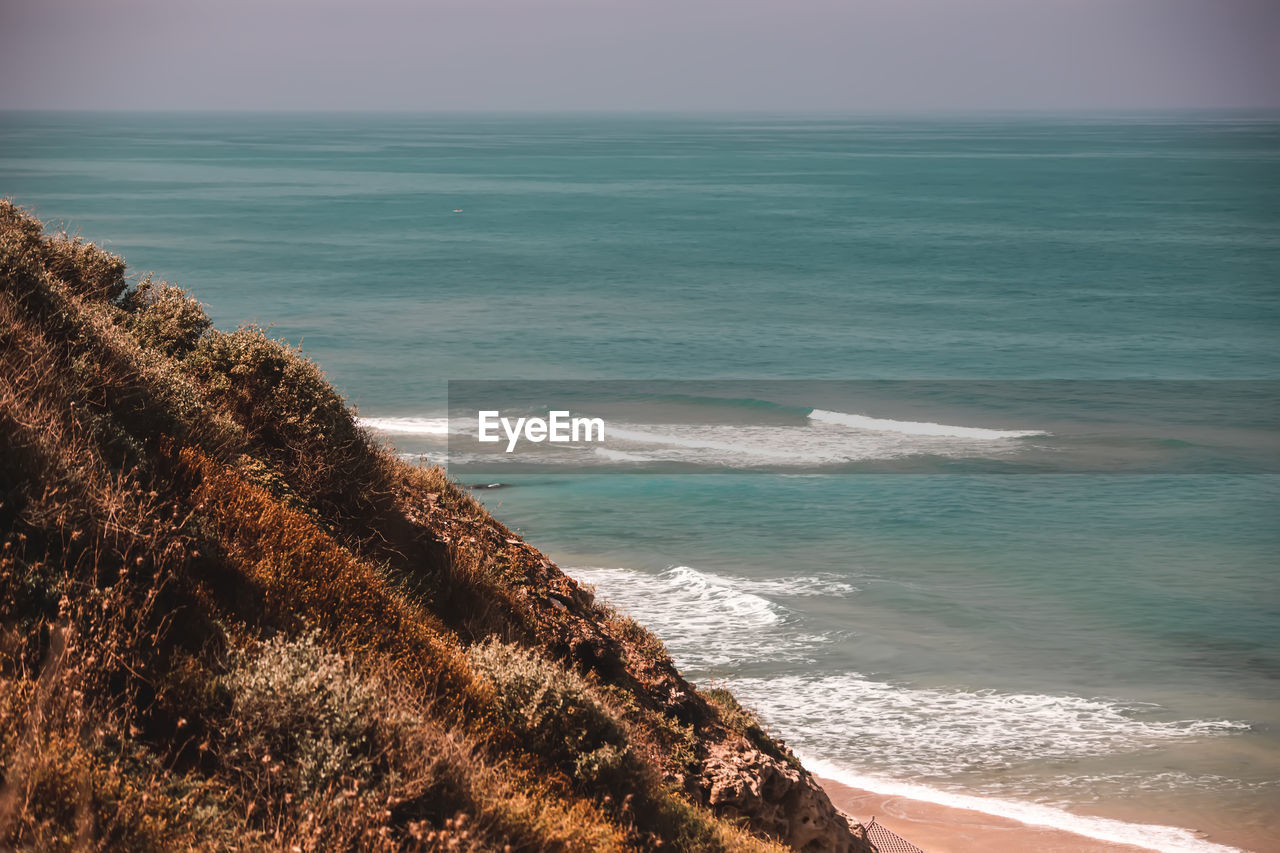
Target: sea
949,442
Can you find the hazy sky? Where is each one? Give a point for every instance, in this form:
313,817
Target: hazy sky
640,54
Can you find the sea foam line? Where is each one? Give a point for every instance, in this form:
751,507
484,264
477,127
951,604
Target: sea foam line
915,731
917,427
406,426
1166,839
814,444
644,436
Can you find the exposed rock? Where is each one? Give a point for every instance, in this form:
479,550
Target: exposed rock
775,797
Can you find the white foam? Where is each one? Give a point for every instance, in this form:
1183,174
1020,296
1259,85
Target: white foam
619,455
698,437
406,426
863,422
711,621
814,444
915,732
1097,787
1167,839
723,595
801,585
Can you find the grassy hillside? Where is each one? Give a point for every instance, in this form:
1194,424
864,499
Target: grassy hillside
232,620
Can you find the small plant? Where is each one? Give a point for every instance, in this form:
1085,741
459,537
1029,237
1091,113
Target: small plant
732,713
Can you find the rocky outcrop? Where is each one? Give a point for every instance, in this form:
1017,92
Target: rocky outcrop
740,781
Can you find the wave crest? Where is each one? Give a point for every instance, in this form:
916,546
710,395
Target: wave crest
864,422
713,621
406,426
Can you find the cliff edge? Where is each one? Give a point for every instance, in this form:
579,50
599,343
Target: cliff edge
232,620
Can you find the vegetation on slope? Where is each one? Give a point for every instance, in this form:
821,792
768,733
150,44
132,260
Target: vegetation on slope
231,620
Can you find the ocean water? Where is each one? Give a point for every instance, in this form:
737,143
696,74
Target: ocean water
1096,648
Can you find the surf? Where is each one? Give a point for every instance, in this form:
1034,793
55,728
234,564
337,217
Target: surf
922,428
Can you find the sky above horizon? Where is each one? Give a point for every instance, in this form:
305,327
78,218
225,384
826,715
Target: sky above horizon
679,55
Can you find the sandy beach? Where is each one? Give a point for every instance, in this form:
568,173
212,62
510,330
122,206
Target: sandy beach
942,829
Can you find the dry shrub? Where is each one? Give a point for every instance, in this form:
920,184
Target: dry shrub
87,269
294,417
17,226
21,269
558,713
166,319
67,356
306,720
324,757
282,397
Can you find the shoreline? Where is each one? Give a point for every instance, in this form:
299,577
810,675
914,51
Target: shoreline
937,828
940,822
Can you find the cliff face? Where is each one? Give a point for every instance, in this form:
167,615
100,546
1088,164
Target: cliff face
230,619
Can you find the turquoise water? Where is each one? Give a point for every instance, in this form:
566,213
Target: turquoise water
1074,641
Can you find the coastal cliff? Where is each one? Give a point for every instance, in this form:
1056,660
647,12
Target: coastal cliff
231,619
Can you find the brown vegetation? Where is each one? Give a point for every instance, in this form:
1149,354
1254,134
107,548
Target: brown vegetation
232,621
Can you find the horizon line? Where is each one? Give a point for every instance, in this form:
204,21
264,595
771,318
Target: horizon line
658,111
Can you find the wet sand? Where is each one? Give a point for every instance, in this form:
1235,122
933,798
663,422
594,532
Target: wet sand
943,829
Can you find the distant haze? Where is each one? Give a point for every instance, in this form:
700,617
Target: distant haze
805,55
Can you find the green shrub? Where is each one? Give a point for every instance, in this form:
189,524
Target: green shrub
292,416
732,713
